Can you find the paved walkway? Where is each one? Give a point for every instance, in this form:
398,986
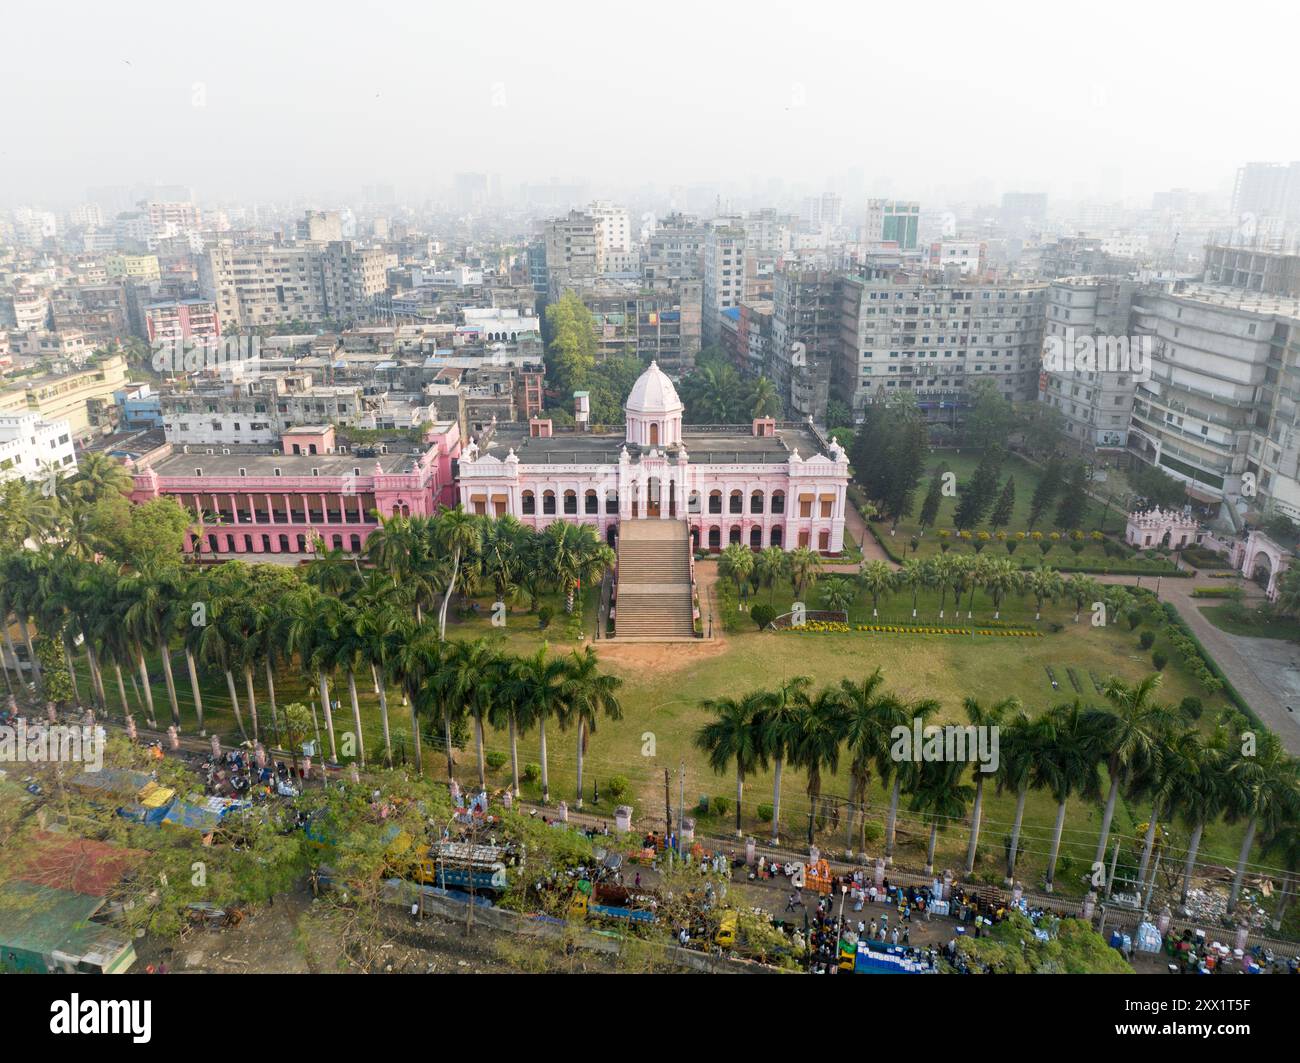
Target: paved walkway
1266,672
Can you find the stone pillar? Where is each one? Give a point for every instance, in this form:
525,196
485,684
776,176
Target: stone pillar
173,739
749,851
1089,906
216,746
688,832
1162,924
562,813
130,727
623,819
947,885
1243,931
879,876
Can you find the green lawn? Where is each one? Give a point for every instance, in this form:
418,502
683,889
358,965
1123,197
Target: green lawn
1096,517
1251,621
664,685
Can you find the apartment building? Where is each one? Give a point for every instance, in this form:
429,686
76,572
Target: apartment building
278,284
661,325
1218,412
1268,190
724,277
805,339
73,397
893,221
182,319
1095,403
574,251
1253,269
31,447
938,340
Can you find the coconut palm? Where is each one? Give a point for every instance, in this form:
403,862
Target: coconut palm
457,536
870,713
913,575
575,556
777,724
877,579
589,694
941,574
1001,577
899,770
345,648
818,735
1082,589
1263,790
537,686
472,673
308,638
736,562
1197,787
1043,583
804,565
989,718
1067,766
1283,846
1129,733
1018,746
770,566
734,734
837,594
941,797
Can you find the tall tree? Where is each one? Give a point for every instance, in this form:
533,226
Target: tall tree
734,735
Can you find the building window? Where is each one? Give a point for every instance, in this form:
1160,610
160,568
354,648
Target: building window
756,502
548,502
591,504
715,501
529,503
570,502
778,501
736,503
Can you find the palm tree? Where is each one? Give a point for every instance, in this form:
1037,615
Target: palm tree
901,771
877,579
1156,782
803,565
870,713
537,686
777,731
734,734
379,625
1264,790
1067,765
457,535
1283,845
309,639
941,797
1082,589
989,719
818,733
1129,735
941,576
575,555
1198,789
770,565
344,647
588,695
1018,746
837,594
1043,583
977,575
913,575
1001,577
766,402
736,562
471,673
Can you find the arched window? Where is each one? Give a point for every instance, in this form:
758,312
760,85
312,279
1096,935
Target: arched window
756,537
302,544
736,503
756,502
284,544
734,537
693,503
266,544
775,537
590,503
778,501
570,502
654,433
611,502
715,538
529,503
715,501
354,543
338,541
548,502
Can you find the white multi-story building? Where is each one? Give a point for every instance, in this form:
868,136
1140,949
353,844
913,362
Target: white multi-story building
724,277
613,228
32,448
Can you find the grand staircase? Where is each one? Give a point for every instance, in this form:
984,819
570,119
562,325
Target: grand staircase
653,601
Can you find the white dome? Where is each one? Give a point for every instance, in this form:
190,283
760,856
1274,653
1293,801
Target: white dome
653,393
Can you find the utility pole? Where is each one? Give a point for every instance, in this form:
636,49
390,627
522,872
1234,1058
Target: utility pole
668,817
681,807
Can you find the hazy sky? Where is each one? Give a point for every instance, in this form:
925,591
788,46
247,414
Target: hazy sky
279,97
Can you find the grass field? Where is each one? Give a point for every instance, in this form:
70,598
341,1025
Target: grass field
1251,621
1097,516
664,685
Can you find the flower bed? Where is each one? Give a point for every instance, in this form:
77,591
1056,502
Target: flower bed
836,627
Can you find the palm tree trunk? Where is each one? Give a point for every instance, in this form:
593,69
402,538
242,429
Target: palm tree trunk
31,650
383,719
194,688
891,822
976,809
270,693
478,749
234,702
514,756
776,800
1148,842
148,690
446,598
740,794
546,779
1056,846
164,651
356,717
1015,834
929,853
416,744
1106,817
72,671
1242,857
329,714
1192,846
13,655
1284,902
96,680
581,729
446,738
121,688
252,700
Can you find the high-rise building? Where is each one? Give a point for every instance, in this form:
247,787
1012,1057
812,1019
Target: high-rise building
893,221
1268,190
724,276
574,251
805,339
674,250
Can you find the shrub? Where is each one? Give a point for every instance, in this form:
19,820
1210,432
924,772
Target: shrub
873,832
1147,639
1191,707
496,760
617,786
532,772
762,614
720,805
765,813
1159,660
544,615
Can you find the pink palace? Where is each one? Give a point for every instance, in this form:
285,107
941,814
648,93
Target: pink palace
277,500
764,484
